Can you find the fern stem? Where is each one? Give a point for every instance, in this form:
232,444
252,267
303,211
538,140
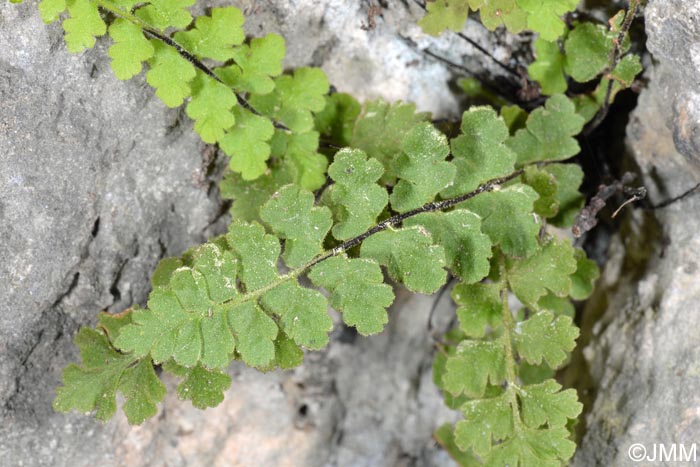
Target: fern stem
429,207
390,222
615,56
507,339
149,30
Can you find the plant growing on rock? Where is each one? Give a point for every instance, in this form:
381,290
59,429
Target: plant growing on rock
388,192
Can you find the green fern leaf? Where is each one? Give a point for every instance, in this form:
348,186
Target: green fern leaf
255,334
485,421
162,14
467,250
303,314
507,218
548,447
495,13
479,153
129,50
84,24
547,403
248,143
210,108
587,49
410,257
549,268
544,16
475,364
250,195
214,36
444,14
164,271
355,198
585,276
588,105
255,65
548,68
292,216
303,163
549,133
51,9
337,119
357,290
257,253
558,305
111,324
478,306
514,117
381,130
421,168
445,437
546,186
104,372
170,74
142,390
534,374
545,337
294,99
570,201
186,321
127,5
204,387
627,69
287,353
440,368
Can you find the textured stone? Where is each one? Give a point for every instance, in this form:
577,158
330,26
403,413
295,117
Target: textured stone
98,181
644,357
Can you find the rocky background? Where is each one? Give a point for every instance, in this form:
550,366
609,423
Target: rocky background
643,323
98,181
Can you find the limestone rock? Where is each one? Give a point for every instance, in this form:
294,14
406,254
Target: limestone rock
644,356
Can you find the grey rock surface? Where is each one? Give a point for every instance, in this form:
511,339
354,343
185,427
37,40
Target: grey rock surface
644,356
98,181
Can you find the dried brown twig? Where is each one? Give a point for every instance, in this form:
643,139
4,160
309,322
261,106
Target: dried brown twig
588,217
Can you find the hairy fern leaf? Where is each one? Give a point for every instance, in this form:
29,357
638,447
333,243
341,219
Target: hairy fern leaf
255,65
480,153
507,218
203,387
467,249
410,256
381,130
540,16
130,49
295,98
51,9
248,145
211,108
104,372
292,216
163,14
214,36
83,25
170,74
357,290
548,269
421,168
355,198
550,131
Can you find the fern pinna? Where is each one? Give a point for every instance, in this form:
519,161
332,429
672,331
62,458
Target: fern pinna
399,196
